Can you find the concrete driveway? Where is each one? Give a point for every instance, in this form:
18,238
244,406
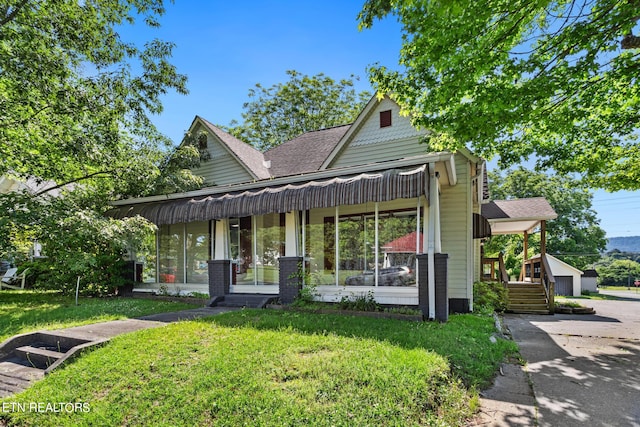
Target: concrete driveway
584,369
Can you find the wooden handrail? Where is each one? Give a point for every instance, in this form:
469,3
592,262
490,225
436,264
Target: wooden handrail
549,283
504,276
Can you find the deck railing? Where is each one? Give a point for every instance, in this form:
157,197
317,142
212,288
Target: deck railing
537,270
493,269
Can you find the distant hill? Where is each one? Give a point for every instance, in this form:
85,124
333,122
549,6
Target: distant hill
624,244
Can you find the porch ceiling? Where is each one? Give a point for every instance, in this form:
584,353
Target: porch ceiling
513,227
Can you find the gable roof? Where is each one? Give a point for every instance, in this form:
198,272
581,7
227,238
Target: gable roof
517,215
305,153
250,158
357,125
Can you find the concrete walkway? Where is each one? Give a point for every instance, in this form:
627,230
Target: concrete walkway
106,330
26,358
580,369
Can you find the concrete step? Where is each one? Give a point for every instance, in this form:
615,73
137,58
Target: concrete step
15,376
39,355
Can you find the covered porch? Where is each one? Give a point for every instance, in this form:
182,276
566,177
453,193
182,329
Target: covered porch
533,289
269,238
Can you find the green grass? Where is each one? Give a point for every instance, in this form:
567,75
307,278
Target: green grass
273,368
28,311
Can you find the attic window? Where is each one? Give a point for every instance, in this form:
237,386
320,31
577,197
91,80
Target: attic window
385,118
202,141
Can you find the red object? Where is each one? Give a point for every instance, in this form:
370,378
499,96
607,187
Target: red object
167,278
406,243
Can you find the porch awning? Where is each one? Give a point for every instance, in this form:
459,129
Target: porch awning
481,227
367,187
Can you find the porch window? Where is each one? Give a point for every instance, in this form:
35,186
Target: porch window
374,247
270,237
398,244
171,254
257,243
198,251
242,251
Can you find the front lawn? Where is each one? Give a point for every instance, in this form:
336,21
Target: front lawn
273,368
28,311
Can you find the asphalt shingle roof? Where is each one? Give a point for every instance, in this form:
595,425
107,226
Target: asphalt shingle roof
305,153
535,207
251,158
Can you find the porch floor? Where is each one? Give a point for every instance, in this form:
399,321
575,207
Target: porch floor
392,295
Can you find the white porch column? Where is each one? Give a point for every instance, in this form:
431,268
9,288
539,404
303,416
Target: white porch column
221,249
292,241
433,236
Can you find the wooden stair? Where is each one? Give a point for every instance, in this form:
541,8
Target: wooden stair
528,298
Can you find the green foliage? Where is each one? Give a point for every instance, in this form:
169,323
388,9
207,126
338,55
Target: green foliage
308,292
617,254
617,272
574,236
363,302
77,241
305,103
489,297
76,97
288,368
554,80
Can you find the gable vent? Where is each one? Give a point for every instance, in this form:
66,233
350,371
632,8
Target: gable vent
385,118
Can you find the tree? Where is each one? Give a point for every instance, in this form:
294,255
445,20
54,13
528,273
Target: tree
75,98
285,110
612,272
574,236
78,241
553,79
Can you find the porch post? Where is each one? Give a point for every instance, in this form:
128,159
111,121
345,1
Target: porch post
543,247
221,249
524,255
220,265
291,243
434,197
291,276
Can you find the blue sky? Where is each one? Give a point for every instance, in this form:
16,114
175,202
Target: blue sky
225,48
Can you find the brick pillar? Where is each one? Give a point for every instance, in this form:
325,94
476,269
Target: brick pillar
442,298
219,277
423,284
290,282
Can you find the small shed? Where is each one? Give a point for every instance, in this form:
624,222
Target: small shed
589,281
568,278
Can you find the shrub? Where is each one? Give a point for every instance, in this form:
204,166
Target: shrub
489,297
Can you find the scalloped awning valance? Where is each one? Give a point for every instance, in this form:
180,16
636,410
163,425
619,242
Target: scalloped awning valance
367,187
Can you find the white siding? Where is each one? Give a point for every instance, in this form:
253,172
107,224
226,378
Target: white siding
455,214
371,143
222,168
